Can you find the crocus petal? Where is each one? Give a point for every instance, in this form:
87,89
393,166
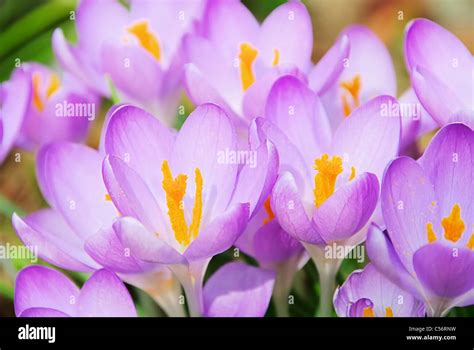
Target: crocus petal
55,241
14,100
408,204
106,248
330,66
294,108
369,138
383,256
449,163
104,295
445,271
220,234
345,212
42,312
40,286
143,142
238,290
145,245
434,48
290,211
287,29
71,180
257,177
205,136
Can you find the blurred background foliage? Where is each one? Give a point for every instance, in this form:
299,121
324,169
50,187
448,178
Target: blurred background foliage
25,34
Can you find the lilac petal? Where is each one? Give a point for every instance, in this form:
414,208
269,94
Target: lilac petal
42,312
408,204
144,245
40,286
70,178
347,210
437,98
220,234
434,48
368,138
139,139
294,108
56,242
287,29
131,195
228,24
449,163
326,72
256,179
445,271
206,135
383,256
238,290
14,103
290,210
106,248
104,295
271,244
371,285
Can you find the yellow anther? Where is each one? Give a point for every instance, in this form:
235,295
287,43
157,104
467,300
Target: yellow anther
470,243
197,209
268,208
453,224
54,84
147,38
388,312
368,312
353,174
247,55
276,57
325,179
107,197
430,232
351,92
37,101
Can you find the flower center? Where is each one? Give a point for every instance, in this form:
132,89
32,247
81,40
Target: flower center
325,179
351,95
53,86
369,312
147,39
175,189
453,227
268,208
247,56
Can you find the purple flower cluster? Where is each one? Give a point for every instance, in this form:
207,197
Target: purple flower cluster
283,159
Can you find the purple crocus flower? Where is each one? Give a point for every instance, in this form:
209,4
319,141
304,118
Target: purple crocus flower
441,71
238,290
233,60
429,214
166,218
139,48
39,107
367,293
328,188
43,292
70,178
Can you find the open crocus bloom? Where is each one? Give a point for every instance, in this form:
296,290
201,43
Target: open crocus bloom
346,77
234,60
38,108
70,178
429,214
367,293
182,198
140,49
44,292
441,71
238,290
328,187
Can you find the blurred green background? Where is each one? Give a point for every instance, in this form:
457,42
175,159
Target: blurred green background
25,33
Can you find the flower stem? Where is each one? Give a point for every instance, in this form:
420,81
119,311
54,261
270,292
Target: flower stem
327,284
